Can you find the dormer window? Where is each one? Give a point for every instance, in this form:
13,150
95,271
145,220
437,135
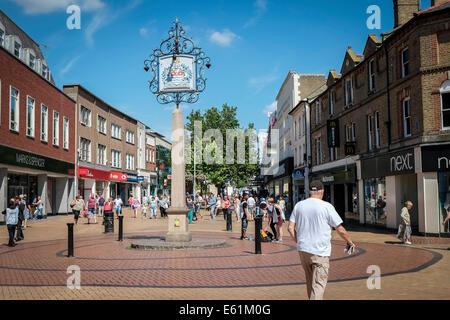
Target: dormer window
45,71
2,38
32,61
17,47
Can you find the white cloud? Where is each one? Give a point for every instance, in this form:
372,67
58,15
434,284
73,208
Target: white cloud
48,6
69,66
270,108
260,9
224,38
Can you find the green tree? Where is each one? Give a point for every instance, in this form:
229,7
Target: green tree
222,120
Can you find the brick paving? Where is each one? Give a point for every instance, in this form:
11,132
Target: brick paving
36,267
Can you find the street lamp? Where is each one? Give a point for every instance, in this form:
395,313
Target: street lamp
177,70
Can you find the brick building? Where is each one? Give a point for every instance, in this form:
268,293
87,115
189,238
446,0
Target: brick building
146,164
381,128
107,147
37,125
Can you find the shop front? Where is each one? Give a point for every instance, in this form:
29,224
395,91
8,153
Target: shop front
117,185
298,180
92,181
33,175
387,182
435,180
340,190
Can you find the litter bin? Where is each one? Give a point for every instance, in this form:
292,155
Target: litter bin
109,222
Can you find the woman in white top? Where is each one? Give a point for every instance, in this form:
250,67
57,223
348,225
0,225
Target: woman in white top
12,218
237,207
218,205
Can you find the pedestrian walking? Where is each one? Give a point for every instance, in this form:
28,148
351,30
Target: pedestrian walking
198,204
282,203
12,218
237,207
404,229
118,203
218,206
212,206
310,226
373,208
39,209
20,204
153,204
108,209
27,213
162,203
277,220
244,216
226,208
91,204
77,207
101,206
251,204
190,205
135,206
447,218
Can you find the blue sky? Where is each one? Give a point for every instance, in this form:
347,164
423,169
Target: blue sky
252,44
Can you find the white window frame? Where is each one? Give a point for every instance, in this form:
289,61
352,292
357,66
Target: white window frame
102,154
114,158
16,109
118,129
55,128
129,136
129,161
372,75
2,37
370,132
101,129
32,61
66,127
318,151
353,132
331,102
348,95
405,63
333,154
86,122
45,71
445,89
44,126
30,130
14,48
376,126
406,118
87,156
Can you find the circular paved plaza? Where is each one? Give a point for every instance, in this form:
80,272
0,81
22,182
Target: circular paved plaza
105,262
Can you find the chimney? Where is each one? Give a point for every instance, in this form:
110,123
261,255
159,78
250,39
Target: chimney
404,11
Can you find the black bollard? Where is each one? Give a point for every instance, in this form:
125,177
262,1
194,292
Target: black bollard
258,227
229,222
70,240
120,228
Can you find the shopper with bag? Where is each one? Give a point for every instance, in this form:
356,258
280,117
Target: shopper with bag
12,218
404,229
77,206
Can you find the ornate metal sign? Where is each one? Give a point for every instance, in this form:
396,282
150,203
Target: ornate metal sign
177,68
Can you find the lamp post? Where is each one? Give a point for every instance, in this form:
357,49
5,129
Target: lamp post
177,71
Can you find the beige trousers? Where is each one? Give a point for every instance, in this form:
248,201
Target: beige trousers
316,272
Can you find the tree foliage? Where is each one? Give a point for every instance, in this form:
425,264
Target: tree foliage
223,119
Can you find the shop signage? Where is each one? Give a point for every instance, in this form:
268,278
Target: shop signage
93,174
333,133
30,160
328,179
140,178
298,174
389,165
436,158
350,149
132,177
117,176
177,73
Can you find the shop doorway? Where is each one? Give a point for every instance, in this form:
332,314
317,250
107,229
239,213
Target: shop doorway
339,200
327,193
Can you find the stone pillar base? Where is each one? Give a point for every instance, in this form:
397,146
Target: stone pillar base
178,226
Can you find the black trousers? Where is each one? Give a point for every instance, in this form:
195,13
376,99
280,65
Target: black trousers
19,234
274,229
11,231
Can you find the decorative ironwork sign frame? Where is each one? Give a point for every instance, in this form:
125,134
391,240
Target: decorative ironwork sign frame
174,79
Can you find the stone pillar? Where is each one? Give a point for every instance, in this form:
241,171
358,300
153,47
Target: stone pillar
428,203
3,192
42,190
177,213
392,192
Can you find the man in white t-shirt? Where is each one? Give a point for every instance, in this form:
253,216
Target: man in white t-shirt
251,207
310,226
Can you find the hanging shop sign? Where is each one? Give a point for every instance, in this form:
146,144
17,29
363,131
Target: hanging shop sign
132,177
298,174
436,158
333,133
397,163
176,73
140,178
350,149
34,161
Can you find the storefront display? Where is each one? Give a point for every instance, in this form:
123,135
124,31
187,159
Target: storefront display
375,201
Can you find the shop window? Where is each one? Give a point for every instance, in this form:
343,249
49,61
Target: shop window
14,110
406,118
375,201
30,116
445,105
